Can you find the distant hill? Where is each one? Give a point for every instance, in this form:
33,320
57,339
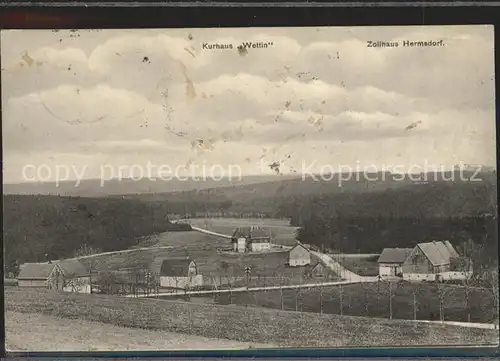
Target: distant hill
267,196
94,188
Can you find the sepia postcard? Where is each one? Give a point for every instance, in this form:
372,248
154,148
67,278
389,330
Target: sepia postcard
236,188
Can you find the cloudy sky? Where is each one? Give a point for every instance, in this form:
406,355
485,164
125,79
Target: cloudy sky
317,97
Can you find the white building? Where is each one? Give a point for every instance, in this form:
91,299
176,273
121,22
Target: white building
390,261
299,256
179,273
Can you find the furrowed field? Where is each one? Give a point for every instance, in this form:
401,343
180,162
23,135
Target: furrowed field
246,324
362,300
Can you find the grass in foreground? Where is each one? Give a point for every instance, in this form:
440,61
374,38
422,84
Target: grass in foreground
246,324
34,332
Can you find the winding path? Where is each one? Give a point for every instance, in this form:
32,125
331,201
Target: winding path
118,252
205,231
340,270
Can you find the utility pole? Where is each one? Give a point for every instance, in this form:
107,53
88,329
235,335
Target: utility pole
390,300
378,291
148,282
341,300
247,273
415,306
321,298
281,293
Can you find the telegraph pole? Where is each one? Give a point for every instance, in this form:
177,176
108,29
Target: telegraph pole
321,298
390,300
248,270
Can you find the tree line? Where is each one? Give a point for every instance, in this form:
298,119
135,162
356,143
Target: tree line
41,228
464,214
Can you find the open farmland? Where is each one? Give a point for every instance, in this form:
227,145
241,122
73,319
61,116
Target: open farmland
214,262
35,332
372,300
245,324
193,244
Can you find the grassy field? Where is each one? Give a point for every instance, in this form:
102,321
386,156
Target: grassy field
194,244
213,261
245,324
203,248
363,266
34,332
362,300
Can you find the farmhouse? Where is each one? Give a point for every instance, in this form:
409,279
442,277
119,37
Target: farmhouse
299,256
390,262
67,275
251,239
435,260
179,273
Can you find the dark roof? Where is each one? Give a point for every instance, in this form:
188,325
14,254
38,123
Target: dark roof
175,267
438,252
34,271
73,268
252,232
394,255
70,268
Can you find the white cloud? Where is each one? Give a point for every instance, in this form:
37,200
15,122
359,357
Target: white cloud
144,95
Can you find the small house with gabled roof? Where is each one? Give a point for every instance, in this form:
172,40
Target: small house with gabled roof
390,261
299,255
66,275
179,273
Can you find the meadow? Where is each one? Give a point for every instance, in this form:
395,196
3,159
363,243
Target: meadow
244,324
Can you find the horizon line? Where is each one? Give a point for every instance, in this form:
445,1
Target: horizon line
202,178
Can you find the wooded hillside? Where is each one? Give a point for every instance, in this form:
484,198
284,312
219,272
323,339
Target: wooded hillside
35,226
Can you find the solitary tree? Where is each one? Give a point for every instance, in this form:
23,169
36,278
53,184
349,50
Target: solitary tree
491,280
87,255
415,292
443,291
